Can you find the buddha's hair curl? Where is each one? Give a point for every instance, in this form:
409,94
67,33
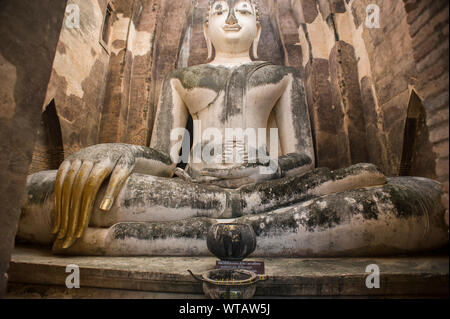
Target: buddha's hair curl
253,2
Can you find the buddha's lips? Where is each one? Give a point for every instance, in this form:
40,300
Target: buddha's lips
234,27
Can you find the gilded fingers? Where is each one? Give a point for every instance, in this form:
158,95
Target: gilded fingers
76,188
65,197
118,177
63,169
78,182
75,202
95,180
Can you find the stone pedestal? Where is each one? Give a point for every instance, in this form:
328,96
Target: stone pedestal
36,273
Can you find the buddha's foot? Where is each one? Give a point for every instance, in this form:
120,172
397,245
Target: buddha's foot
401,217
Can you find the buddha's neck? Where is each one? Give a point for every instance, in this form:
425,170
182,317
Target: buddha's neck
231,59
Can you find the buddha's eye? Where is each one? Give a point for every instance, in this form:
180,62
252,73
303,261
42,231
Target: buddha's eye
219,9
245,12
244,8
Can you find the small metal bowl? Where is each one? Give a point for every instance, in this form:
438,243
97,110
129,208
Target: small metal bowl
231,241
229,283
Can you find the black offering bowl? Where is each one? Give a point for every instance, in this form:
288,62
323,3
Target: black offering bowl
231,241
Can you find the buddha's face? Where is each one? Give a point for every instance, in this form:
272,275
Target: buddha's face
232,25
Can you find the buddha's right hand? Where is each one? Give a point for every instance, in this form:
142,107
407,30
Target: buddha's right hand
80,176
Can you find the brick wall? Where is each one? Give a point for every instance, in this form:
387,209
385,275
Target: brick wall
360,83
429,25
392,74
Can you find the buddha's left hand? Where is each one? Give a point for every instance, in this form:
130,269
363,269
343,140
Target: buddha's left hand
290,164
242,175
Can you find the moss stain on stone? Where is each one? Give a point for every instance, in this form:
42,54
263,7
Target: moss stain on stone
196,228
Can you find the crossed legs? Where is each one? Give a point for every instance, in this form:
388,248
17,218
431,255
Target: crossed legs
159,216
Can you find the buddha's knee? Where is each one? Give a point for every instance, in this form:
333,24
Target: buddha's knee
403,216
36,219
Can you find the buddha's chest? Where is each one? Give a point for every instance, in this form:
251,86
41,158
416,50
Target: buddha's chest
232,96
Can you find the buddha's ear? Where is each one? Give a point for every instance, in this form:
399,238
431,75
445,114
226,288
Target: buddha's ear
256,41
208,40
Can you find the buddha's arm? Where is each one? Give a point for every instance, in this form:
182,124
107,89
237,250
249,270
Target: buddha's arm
294,128
80,176
171,115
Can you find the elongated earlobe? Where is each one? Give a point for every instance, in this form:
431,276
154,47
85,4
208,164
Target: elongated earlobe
208,41
256,43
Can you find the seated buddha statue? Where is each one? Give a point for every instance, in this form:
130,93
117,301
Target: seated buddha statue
128,200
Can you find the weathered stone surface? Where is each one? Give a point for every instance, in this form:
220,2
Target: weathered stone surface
116,101
129,117
127,110
422,161
136,203
27,291
382,220
345,84
289,34
144,22
25,65
394,124
194,48
315,228
176,101
365,54
78,79
167,41
376,140
48,150
270,45
331,145
298,231
133,120
305,11
392,70
34,269
409,51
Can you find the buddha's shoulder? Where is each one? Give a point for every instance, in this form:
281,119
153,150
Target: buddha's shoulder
268,73
215,77
203,75
272,72
200,70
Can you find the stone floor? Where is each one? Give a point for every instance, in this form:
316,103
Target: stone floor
36,273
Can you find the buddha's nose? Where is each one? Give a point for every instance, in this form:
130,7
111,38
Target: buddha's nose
231,19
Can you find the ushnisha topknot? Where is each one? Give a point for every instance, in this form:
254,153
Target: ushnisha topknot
253,2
